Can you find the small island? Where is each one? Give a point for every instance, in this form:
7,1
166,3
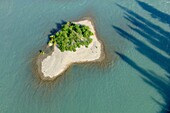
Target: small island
76,42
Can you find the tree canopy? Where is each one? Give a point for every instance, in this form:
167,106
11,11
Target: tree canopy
71,36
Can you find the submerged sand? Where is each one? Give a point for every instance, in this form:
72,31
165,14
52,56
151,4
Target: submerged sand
56,63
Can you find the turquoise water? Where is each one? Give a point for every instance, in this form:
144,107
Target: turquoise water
136,36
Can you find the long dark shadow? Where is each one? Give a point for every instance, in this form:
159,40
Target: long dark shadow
153,55
155,13
161,85
157,37
150,31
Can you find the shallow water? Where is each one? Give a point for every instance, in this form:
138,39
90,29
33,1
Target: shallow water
137,39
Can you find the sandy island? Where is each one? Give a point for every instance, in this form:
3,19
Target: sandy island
57,62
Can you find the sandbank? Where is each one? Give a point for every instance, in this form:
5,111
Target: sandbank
57,62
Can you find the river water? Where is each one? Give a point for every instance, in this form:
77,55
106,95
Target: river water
135,79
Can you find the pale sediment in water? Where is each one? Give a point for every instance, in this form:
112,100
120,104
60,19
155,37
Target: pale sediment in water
57,62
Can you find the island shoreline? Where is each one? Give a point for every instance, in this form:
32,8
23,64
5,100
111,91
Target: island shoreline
39,58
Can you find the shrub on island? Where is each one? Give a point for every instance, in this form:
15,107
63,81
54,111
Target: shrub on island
71,36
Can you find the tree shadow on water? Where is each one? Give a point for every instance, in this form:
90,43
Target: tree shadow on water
161,85
150,31
158,38
53,31
155,13
153,55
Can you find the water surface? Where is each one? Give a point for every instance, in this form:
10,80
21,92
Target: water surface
136,33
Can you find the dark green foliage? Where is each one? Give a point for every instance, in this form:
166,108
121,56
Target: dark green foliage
72,36
41,52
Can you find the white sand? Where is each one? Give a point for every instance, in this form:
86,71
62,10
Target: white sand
58,62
